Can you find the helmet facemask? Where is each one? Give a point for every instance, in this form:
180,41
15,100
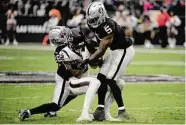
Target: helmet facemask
59,41
96,14
60,35
77,47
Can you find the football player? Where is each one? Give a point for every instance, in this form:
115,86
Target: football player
110,35
72,47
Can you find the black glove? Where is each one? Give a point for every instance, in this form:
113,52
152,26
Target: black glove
83,63
95,63
91,45
129,40
58,58
76,64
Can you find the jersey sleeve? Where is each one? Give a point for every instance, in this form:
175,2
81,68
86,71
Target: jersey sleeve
105,29
57,54
85,53
64,55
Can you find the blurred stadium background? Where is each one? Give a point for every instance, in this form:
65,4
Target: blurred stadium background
155,89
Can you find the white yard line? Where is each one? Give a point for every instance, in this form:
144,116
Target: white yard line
148,108
16,98
132,93
143,108
163,63
28,47
7,58
30,86
158,93
140,63
127,83
22,57
154,82
143,50
137,50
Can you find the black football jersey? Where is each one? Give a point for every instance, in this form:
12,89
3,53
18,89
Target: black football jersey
111,27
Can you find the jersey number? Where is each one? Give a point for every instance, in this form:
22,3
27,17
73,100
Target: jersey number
107,29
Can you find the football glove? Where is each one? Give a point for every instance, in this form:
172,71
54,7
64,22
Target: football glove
96,63
77,64
82,63
59,58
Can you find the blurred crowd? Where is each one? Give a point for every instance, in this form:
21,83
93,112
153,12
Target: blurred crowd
149,22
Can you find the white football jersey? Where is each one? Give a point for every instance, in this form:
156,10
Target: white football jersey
69,55
86,53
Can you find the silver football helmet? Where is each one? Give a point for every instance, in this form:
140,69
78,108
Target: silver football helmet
60,35
96,14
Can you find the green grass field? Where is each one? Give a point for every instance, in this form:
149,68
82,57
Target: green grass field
152,103
37,60
146,103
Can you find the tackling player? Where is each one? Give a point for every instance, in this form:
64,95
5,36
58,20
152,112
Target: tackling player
112,35
71,43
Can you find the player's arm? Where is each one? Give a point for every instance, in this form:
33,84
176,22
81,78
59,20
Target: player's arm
91,45
72,66
104,44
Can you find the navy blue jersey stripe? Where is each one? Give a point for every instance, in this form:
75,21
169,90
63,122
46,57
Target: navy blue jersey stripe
66,53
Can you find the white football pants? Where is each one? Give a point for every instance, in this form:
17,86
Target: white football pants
73,86
116,62
85,85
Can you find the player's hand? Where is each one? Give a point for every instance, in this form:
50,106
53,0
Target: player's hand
129,39
83,63
94,64
59,58
75,64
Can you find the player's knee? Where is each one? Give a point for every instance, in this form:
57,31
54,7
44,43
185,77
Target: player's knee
58,79
111,75
120,83
113,86
101,78
57,76
98,83
95,82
